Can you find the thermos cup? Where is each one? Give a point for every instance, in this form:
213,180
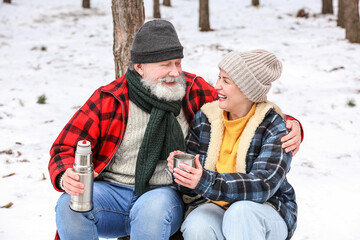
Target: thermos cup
83,166
184,158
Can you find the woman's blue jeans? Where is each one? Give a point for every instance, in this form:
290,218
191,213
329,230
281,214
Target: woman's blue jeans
244,220
157,214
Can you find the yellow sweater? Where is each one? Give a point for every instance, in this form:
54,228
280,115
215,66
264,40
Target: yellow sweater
228,152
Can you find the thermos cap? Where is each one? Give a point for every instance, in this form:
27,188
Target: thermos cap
83,147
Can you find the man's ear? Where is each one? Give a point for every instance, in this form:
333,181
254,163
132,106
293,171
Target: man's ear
139,68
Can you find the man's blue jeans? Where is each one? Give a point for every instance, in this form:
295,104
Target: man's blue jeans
157,214
244,220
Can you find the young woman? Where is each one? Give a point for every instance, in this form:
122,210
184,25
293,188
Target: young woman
240,165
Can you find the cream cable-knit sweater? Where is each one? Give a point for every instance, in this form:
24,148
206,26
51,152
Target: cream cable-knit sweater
121,169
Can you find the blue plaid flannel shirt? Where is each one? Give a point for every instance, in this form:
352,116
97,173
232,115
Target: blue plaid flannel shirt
266,167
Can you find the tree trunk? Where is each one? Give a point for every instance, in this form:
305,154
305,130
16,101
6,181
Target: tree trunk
128,17
204,22
352,23
341,15
86,3
255,3
156,9
7,1
167,3
327,7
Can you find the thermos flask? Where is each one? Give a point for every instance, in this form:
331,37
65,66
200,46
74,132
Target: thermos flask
83,166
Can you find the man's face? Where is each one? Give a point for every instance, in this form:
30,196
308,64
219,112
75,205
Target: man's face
164,79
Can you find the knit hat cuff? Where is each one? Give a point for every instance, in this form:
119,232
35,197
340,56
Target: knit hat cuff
235,66
157,56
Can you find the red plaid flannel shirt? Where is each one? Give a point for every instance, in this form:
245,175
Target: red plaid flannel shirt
102,121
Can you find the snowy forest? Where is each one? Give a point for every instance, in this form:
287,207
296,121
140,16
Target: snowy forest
55,54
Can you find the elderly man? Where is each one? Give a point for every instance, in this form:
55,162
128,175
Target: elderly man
133,124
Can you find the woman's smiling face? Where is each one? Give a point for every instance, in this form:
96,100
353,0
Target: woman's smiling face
231,98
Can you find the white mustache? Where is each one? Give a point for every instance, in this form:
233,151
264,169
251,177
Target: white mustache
169,79
162,91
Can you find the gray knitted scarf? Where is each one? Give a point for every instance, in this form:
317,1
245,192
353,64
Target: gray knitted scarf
163,133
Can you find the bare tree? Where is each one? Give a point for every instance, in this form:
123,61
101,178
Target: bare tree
156,7
327,7
128,16
352,23
86,3
7,1
255,3
341,14
167,3
204,16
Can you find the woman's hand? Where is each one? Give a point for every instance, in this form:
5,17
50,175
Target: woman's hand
291,141
170,160
188,176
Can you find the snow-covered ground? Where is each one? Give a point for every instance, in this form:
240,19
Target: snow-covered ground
58,49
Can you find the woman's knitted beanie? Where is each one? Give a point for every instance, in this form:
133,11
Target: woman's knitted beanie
253,72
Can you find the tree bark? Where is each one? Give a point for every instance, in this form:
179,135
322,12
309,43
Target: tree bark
128,17
341,15
255,3
7,1
167,3
204,22
352,23
327,7
156,7
86,3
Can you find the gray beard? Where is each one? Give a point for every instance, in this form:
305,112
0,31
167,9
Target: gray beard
167,93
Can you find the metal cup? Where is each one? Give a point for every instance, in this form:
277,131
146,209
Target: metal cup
184,158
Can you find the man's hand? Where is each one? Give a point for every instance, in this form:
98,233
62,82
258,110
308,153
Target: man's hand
189,177
291,141
72,184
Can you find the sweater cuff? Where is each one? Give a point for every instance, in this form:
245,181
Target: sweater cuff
59,181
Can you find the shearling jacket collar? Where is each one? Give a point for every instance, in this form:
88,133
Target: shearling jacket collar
215,117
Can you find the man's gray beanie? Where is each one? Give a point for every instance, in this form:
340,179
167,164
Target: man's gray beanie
156,41
253,72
